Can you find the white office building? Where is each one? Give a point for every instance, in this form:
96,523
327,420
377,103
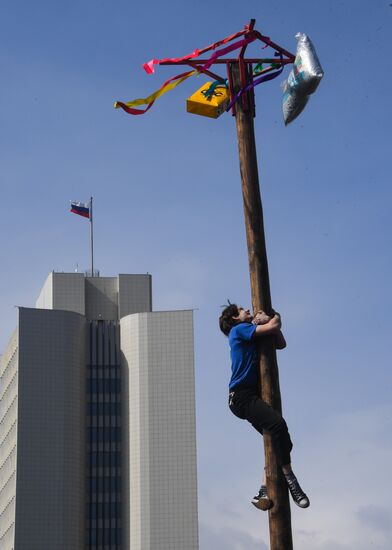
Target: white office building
97,421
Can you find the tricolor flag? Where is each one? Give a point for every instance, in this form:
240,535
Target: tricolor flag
81,208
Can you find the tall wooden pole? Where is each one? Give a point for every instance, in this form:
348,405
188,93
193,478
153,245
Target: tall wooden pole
91,237
279,514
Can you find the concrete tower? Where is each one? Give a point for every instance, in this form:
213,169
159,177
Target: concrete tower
97,421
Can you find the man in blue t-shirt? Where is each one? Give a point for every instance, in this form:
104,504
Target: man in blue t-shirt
245,402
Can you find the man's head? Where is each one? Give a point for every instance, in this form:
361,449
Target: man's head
231,316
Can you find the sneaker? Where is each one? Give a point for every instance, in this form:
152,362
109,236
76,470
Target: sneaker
297,493
261,501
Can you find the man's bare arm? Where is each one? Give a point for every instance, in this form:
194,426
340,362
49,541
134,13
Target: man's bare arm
271,327
261,318
280,341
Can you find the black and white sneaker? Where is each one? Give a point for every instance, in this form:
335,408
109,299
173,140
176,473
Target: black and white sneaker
297,493
262,501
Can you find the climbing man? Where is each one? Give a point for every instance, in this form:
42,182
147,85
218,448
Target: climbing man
242,330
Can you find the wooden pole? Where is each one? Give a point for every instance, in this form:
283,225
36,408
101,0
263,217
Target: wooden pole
279,514
91,237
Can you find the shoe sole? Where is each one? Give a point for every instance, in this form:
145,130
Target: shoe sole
303,505
263,504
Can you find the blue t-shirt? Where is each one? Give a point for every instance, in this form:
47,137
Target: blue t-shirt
243,353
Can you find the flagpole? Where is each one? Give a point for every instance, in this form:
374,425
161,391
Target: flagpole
91,237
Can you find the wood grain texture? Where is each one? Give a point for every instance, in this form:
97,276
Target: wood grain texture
279,515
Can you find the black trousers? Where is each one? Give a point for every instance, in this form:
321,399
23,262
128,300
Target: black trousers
245,402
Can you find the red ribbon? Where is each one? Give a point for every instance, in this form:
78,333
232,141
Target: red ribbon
229,49
149,66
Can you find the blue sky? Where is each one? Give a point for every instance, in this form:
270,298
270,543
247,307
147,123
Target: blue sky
167,197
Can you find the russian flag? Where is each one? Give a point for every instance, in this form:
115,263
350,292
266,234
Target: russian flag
81,208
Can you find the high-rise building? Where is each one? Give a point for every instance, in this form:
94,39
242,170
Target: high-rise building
97,421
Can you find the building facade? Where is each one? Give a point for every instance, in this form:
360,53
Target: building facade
97,421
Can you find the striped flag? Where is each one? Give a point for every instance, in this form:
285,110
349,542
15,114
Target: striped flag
81,208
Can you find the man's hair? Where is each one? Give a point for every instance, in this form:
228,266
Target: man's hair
226,321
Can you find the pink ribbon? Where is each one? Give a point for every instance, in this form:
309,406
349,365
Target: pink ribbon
149,67
229,49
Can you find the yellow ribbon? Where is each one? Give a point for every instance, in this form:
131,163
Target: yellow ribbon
166,87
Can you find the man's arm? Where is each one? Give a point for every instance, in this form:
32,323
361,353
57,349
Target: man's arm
271,327
261,319
280,341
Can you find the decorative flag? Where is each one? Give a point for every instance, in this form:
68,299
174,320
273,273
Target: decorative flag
81,208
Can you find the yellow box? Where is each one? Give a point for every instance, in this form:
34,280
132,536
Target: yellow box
213,106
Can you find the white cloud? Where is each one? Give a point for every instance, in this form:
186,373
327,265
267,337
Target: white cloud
229,538
376,517
343,467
